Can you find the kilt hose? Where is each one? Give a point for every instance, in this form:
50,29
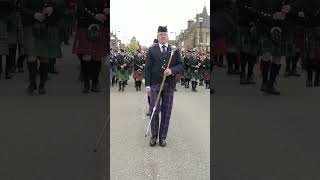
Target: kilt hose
164,105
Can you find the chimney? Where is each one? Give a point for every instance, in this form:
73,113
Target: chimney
190,23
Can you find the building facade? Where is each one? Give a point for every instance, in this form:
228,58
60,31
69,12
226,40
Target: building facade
197,34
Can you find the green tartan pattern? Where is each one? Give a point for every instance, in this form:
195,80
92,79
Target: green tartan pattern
49,46
123,75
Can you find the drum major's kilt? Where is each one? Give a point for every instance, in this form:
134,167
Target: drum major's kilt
138,75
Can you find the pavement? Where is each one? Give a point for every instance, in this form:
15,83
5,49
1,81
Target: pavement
52,137
187,154
265,137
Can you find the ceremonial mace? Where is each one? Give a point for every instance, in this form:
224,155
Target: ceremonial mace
101,134
161,87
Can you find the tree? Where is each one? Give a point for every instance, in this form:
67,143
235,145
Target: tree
133,45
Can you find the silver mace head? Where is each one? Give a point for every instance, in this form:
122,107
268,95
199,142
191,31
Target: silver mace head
173,50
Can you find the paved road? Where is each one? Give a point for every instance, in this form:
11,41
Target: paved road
259,137
187,154
51,137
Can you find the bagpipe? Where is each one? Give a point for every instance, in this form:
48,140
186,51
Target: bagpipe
95,25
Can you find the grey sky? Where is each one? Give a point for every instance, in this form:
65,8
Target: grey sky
141,18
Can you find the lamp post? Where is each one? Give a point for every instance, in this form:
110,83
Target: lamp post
200,20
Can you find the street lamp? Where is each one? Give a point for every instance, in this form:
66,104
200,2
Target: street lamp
200,20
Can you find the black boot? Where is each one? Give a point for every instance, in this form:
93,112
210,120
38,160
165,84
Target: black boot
20,63
44,68
123,85
236,67
96,68
8,70
274,71
0,65
192,85
32,68
120,85
220,62
182,81
195,86
52,69
294,71
317,76
230,60
85,71
309,76
140,83
288,65
265,66
243,63
187,83
250,71
136,85
317,79
112,81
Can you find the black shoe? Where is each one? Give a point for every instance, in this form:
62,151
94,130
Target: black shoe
42,90
295,73
162,142
8,76
148,114
31,88
20,70
243,81
53,71
287,73
86,87
250,80
272,90
153,141
263,87
95,87
316,84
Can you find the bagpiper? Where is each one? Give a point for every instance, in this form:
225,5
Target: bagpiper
310,10
122,70
138,73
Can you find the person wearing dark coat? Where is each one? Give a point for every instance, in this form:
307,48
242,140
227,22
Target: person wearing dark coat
155,69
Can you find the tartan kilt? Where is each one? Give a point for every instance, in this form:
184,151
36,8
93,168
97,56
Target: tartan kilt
123,75
232,41
4,48
48,47
187,73
312,44
83,46
219,47
207,75
177,77
248,42
201,73
138,75
299,39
